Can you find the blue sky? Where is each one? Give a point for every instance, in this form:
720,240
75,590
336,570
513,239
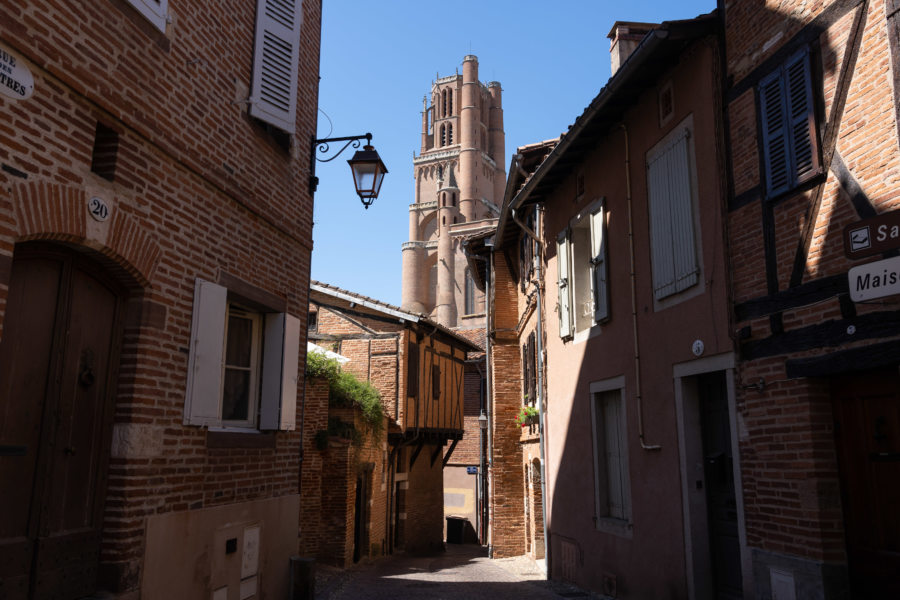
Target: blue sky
379,60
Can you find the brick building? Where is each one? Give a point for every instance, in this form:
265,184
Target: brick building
459,179
152,225
390,491
811,106
610,307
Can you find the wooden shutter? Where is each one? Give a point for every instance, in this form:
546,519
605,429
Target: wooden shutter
775,133
670,196
615,463
564,300
435,380
203,397
275,62
154,10
802,122
281,354
600,290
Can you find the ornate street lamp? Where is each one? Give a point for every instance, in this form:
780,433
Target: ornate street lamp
368,170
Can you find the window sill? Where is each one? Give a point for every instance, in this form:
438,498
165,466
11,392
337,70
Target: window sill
239,438
617,527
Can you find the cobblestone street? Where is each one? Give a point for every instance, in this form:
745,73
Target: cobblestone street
463,571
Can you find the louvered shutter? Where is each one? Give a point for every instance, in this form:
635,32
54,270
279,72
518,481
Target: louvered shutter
275,62
203,397
776,150
802,122
674,256
564,300
281,353
600,291
154,10
615,460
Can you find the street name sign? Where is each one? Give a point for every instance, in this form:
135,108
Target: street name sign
875,280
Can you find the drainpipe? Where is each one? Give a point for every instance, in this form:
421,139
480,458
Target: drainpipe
539,351
634,314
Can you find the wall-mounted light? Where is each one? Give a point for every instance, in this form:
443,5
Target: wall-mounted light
367,167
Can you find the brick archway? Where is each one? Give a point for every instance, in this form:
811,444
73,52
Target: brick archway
55,212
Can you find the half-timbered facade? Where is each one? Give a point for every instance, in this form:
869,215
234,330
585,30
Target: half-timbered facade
418,367
811,110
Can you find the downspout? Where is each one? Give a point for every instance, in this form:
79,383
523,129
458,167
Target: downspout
539,351
634,315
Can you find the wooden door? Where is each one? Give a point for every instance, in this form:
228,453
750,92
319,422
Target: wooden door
867,436
57,361
721,502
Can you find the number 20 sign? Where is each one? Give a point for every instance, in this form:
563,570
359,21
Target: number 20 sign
98,209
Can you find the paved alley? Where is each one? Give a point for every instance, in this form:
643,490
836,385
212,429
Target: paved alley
463,571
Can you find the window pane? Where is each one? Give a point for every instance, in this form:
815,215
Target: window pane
236,395
238,345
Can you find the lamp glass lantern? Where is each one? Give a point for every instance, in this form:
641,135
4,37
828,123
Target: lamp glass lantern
482,420
368,174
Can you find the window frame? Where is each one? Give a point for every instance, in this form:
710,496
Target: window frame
582,272
278,365
621,523
254,368
155,11
676,266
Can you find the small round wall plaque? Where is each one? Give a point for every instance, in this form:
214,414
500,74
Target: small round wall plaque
98,208
697,347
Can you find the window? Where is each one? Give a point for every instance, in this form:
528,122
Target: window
527,252
670,194
582,272
443,135
242,368
788,123
412,370
611,480
435,381
450,134
312,321
529,370
153,10
276,56
470,294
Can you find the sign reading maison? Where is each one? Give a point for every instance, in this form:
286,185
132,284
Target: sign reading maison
875,280
872,236
16,81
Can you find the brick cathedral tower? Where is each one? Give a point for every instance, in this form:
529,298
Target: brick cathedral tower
460,180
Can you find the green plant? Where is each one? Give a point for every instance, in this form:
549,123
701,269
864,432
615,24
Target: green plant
526,415
344,389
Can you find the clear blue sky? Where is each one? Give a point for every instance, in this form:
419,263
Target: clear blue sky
380,58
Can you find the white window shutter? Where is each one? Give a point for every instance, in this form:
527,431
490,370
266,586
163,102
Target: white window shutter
276,57
281,353
600,290
154,10
562,268
202,402
674,256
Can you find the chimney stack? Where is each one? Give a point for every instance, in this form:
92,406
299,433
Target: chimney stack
624,38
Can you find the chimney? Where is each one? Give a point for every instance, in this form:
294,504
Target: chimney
624,38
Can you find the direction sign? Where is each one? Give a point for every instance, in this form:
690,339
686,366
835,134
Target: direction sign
875,280
872,236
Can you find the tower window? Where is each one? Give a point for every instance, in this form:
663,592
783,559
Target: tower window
443,135
450,134
450,102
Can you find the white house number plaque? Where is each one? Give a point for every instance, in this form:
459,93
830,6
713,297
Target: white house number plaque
98,208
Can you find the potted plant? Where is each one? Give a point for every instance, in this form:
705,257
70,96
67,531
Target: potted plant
528,415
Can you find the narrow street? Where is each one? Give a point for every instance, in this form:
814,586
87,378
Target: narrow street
463,571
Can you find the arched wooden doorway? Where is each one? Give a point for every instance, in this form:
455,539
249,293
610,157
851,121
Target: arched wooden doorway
58,361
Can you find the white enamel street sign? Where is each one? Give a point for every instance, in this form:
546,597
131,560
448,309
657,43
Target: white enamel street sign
16,81
875,280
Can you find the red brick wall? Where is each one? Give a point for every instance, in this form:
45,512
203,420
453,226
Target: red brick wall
791,486
199,189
